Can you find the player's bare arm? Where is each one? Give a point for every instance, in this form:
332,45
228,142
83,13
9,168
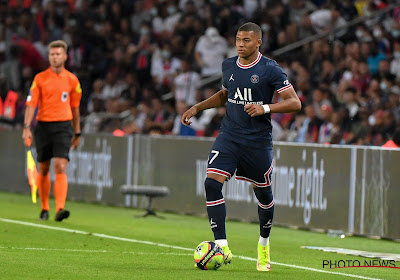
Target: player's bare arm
217,100
290,104
26,132
77,128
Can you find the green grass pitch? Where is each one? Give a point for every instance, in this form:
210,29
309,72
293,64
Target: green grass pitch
103,242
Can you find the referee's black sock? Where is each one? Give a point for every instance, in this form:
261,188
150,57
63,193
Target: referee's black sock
216,209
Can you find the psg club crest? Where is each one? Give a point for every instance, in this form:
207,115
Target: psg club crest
254,79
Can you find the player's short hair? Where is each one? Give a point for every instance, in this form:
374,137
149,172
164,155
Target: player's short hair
59,44
250,26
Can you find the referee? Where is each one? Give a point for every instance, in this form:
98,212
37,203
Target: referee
57,92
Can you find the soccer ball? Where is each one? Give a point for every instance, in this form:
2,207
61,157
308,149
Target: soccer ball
208,255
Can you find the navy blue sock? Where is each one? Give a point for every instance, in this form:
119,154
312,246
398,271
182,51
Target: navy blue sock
216,209
265,209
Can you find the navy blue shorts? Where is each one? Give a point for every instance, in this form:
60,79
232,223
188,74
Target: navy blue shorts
251,164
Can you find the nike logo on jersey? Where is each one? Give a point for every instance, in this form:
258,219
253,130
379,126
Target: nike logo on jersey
231,78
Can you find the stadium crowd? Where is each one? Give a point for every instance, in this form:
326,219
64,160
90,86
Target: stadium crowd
141,64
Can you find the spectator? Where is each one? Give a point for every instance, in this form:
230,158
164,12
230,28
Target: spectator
166,19
215,124
389,125
179,128
164,68
395,63
319,99
309,130
43,44
374,59
140,52
295,128
155,130
358,128
347,9
128,128
383,69
329,75
112,87
300,8
350,101
210,61
325,20
326,129
96,94
186,84
139,16
393,104
118,38
93,121
10,69
159,115
140,113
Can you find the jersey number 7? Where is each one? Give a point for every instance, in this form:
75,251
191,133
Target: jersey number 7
216,153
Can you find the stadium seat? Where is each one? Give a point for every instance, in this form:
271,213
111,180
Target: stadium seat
150,192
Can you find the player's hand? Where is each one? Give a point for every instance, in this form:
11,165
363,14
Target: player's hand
27,137
254,110
188,114
75,142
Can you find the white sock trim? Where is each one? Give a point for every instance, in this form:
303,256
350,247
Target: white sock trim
222,242
263,241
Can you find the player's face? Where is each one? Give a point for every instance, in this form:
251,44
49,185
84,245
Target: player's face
57,57
247,43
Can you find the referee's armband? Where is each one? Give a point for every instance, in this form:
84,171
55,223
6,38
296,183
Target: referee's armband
266,108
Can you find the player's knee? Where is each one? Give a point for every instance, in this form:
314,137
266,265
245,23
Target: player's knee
264,195
44,168
213,187
60,167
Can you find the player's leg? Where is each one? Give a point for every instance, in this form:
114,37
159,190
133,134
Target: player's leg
265,216
256,167
62,142
221,164
216,211
44,154
60,184
44,185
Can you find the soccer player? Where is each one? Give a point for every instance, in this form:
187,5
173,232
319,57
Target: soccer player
58,93
244,143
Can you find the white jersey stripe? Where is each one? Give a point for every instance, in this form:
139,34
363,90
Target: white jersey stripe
252,181
284,88
219,172
266,206
249,65
215,202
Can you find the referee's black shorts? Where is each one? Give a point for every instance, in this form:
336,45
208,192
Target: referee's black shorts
53,139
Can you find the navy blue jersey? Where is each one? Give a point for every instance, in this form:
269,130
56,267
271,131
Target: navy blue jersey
254,83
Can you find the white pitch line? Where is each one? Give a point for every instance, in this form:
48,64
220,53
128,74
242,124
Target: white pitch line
56,249
91,251
175,247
